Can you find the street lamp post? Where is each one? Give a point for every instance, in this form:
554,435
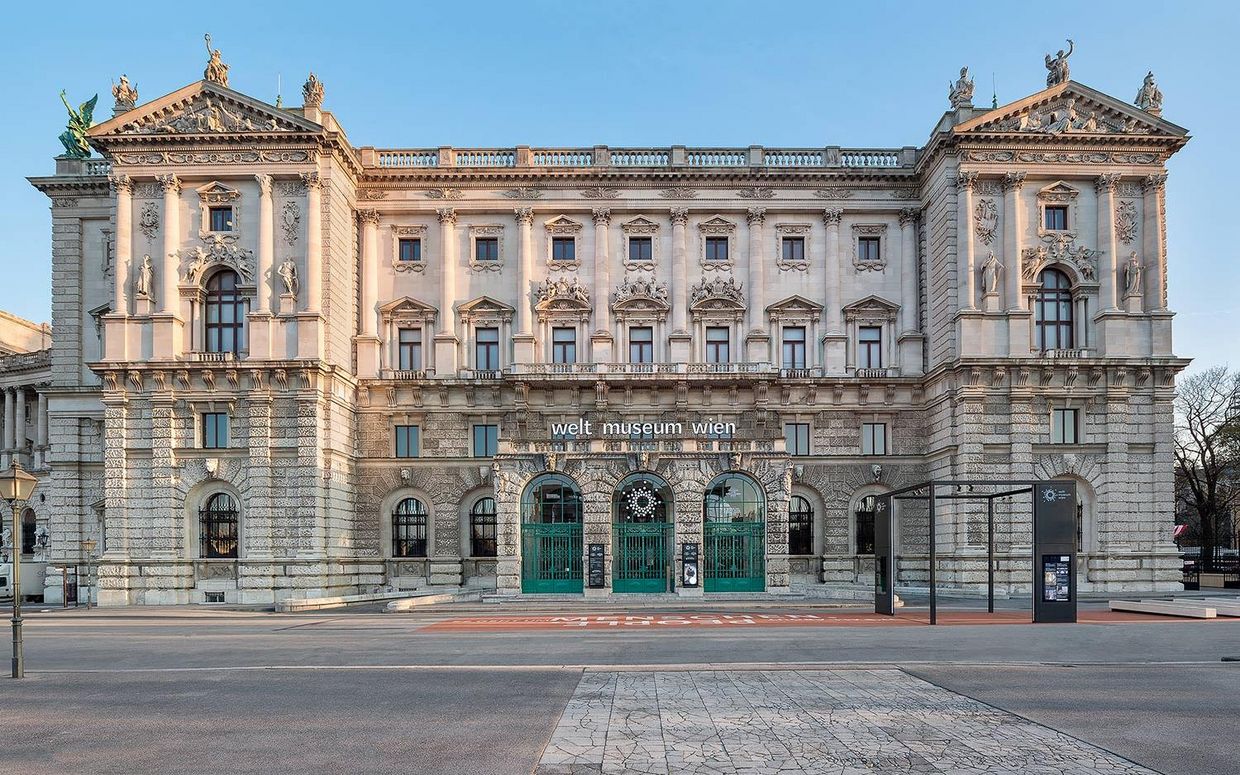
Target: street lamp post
16,487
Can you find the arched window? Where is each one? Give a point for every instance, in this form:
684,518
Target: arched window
551,498
217,527
1053,312
642,498
482,528
225,314
409,529
28,531
864,533
734,498
800,526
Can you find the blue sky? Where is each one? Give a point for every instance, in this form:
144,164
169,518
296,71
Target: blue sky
646,73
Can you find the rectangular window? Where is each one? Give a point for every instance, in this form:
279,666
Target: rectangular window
411,250
874,438
794,347
486,349
486,249
563,345
486,440
641,344
563,249
717,344
1056,217
408,440
1065,426
869,347
221,218
793,248
409,349
641,249
716,248
215,430
796,438
867,249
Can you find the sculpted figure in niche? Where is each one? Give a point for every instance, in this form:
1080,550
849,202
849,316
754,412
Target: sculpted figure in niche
1132,275
1057,66
146,278
991,269
288,273
960,93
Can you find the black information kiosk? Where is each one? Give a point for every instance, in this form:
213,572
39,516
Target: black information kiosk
884,557
689,565
597,575
1054,552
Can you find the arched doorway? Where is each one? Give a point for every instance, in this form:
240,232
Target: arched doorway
734,532
641,507
551,512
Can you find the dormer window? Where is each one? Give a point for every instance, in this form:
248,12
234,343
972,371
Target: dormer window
221,219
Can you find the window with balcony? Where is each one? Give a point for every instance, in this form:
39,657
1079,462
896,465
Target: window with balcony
793,347
486,440
1053,311
874,438
408,440
641,344
793,248
563,345
641,249
409,349
486,249
796,438
410,250
224,308
215,430
869,347
563,249
1065,426
716,248
486,349
718,344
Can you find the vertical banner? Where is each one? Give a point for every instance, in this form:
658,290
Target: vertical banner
689,565
1054,551
884,557
596,566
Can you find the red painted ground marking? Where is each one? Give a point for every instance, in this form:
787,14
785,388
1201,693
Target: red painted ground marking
502,623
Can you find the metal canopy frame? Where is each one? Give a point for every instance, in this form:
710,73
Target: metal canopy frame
1021,487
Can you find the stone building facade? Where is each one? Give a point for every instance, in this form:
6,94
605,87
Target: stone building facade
289,365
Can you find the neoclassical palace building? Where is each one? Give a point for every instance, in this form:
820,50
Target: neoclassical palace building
288,365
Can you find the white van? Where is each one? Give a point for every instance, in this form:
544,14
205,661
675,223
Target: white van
32,580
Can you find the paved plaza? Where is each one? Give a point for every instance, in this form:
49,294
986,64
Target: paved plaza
831,722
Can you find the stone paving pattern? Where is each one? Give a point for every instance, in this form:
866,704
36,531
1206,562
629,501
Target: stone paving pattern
832,722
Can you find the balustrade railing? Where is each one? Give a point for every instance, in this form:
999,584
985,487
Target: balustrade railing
674,156
640,157
1067,353
489,157
717,157
563,157
202,357
408,159
404,374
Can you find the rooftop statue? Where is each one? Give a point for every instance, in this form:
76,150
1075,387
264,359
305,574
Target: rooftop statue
960,94
1150,97
125,93
217,71
80,121
1057,66
312,92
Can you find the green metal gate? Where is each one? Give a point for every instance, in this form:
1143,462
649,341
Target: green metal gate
735,557
643,557
551,557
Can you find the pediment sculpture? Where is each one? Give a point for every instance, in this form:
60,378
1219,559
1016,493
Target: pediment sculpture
1062,249
562,289
638,289
217,249
722,289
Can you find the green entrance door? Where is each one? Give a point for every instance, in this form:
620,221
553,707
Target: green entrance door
643,554
551,557
735,557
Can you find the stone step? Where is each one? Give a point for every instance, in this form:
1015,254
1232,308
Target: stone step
1224,606
1164,607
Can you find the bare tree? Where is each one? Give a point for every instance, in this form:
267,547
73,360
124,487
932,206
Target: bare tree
1207,450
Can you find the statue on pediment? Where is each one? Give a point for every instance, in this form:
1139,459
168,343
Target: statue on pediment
1150,98
312,92
1057,66
960,94
80,121
217,71
125,94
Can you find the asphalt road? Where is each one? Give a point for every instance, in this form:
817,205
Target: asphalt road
208,691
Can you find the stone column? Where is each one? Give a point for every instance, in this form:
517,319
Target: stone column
169,300
680,340
41,431
966,282
1104,186
1013,233
757,342
523,341
9,423
367,340
1154,243
908,270
314,241
124,240
834,339
266,243
19,420
445,339
601,340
